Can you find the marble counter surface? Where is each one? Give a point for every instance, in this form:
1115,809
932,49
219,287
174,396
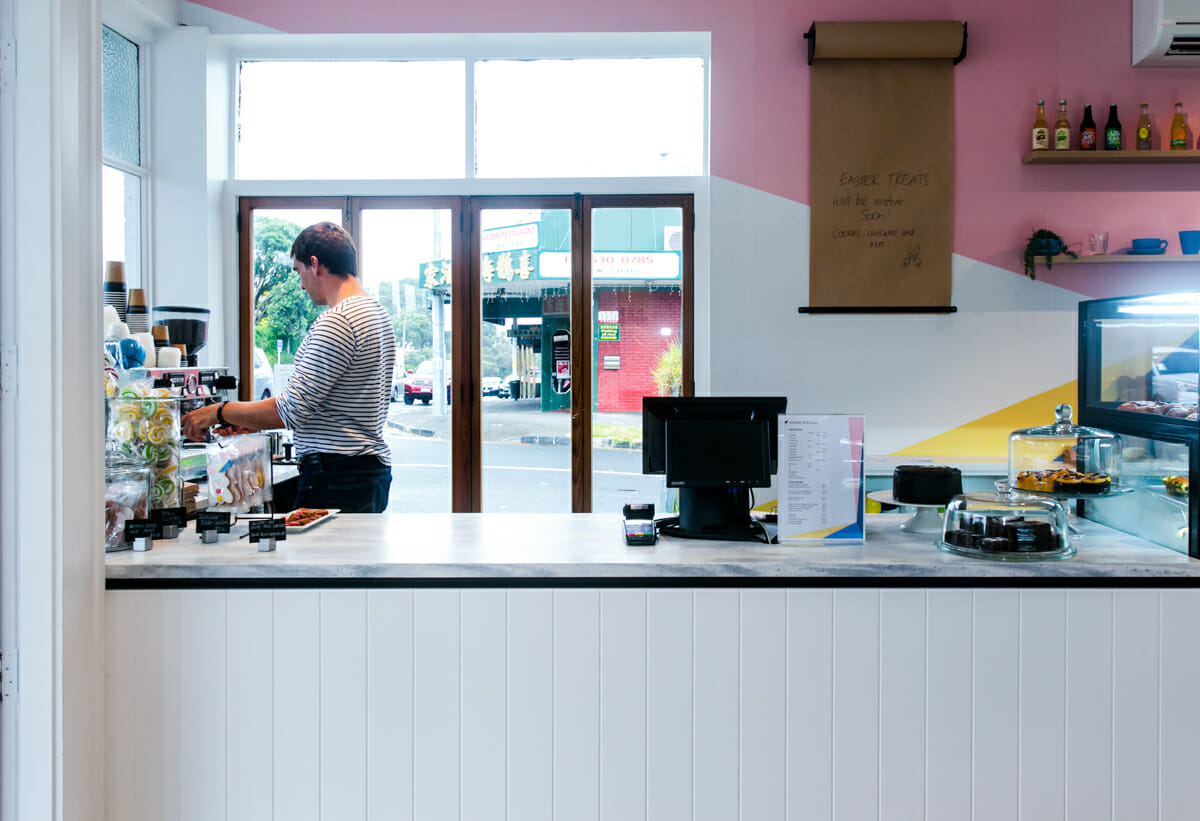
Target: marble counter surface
497,548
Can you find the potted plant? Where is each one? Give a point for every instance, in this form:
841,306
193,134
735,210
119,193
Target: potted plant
1044,243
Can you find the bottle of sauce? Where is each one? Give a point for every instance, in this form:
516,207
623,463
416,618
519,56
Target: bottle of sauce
1062,128
1145,131
1112,131
1041,129
1087,131
1178,129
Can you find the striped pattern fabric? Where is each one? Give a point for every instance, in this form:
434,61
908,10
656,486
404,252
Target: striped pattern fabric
336,400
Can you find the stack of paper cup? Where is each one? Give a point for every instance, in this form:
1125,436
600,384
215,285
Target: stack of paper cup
110,318
161,338
146,340
114,286
136,315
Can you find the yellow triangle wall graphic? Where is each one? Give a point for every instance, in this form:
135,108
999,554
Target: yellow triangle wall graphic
988,435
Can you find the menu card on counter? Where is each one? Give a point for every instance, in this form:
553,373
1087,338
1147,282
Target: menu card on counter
821,492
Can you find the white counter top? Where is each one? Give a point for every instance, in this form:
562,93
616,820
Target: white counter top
500,548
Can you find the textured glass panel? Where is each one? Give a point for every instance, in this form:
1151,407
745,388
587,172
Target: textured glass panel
121,222
589,118
351,120
121,101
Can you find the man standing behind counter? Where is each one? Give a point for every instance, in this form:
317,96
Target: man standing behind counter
336,399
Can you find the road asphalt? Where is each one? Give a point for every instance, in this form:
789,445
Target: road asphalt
507,420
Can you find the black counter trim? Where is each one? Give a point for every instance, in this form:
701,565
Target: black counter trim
933,582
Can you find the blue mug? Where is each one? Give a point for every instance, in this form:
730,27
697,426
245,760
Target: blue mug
1189,241
1149,244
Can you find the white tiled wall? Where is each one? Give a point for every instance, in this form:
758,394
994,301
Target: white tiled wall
654,704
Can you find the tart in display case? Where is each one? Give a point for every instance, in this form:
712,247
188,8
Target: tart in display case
1005,526
1065,460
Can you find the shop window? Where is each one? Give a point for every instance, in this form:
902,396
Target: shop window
342,119
124,173
590,118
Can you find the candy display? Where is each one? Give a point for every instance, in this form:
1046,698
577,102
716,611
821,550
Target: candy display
143,425
126,496
239,472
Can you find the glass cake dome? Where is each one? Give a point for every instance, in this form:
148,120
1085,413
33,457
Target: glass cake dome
1064,459
1006,526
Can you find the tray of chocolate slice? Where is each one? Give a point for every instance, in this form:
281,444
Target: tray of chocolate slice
1006,526
1067,484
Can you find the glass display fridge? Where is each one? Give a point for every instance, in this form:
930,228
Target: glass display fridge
1139,366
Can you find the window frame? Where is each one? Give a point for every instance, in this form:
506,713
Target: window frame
367,48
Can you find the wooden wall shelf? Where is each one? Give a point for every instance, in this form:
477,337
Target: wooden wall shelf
1052,157
1101,258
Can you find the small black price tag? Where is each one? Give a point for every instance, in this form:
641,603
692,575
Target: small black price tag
217,520
142,529
268,529
167,516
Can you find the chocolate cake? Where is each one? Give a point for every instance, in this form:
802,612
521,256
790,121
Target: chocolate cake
1004,534
926,484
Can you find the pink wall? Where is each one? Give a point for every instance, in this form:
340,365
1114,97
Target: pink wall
1017,51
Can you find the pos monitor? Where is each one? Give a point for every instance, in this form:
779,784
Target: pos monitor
713,449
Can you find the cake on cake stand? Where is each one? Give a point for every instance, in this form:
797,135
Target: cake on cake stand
926,521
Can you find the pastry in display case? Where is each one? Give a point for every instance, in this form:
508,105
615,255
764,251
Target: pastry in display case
1006,526
1139,367
1065,459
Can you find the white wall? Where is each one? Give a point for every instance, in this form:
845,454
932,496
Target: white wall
50,411
184,268
913,376
653,704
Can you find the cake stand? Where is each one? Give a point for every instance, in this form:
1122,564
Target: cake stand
1116,490
926,521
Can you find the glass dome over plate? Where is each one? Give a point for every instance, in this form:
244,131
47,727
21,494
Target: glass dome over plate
1064,458
1006,526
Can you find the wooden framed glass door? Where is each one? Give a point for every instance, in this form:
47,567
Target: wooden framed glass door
542,315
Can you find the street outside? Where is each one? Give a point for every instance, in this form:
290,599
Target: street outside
526,460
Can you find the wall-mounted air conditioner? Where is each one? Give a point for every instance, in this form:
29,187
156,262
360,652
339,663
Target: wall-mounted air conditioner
1166,32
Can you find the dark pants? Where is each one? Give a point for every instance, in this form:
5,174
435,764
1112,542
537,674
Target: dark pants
352,484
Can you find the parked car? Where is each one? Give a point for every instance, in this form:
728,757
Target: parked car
490,386
399,378
1173,375
420,384
263,375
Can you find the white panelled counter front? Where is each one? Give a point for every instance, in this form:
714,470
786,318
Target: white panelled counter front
510,666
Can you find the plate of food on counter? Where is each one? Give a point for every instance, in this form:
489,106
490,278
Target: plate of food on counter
304,518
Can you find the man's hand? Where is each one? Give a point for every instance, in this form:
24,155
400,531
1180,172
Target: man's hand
198,421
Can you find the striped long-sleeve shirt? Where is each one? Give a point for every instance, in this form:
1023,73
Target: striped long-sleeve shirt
336,400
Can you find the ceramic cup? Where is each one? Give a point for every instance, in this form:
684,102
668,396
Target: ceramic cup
1149,244
1189,241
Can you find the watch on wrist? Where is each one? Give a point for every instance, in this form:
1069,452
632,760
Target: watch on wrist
221,413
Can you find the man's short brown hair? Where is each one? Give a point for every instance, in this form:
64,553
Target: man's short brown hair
331,245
